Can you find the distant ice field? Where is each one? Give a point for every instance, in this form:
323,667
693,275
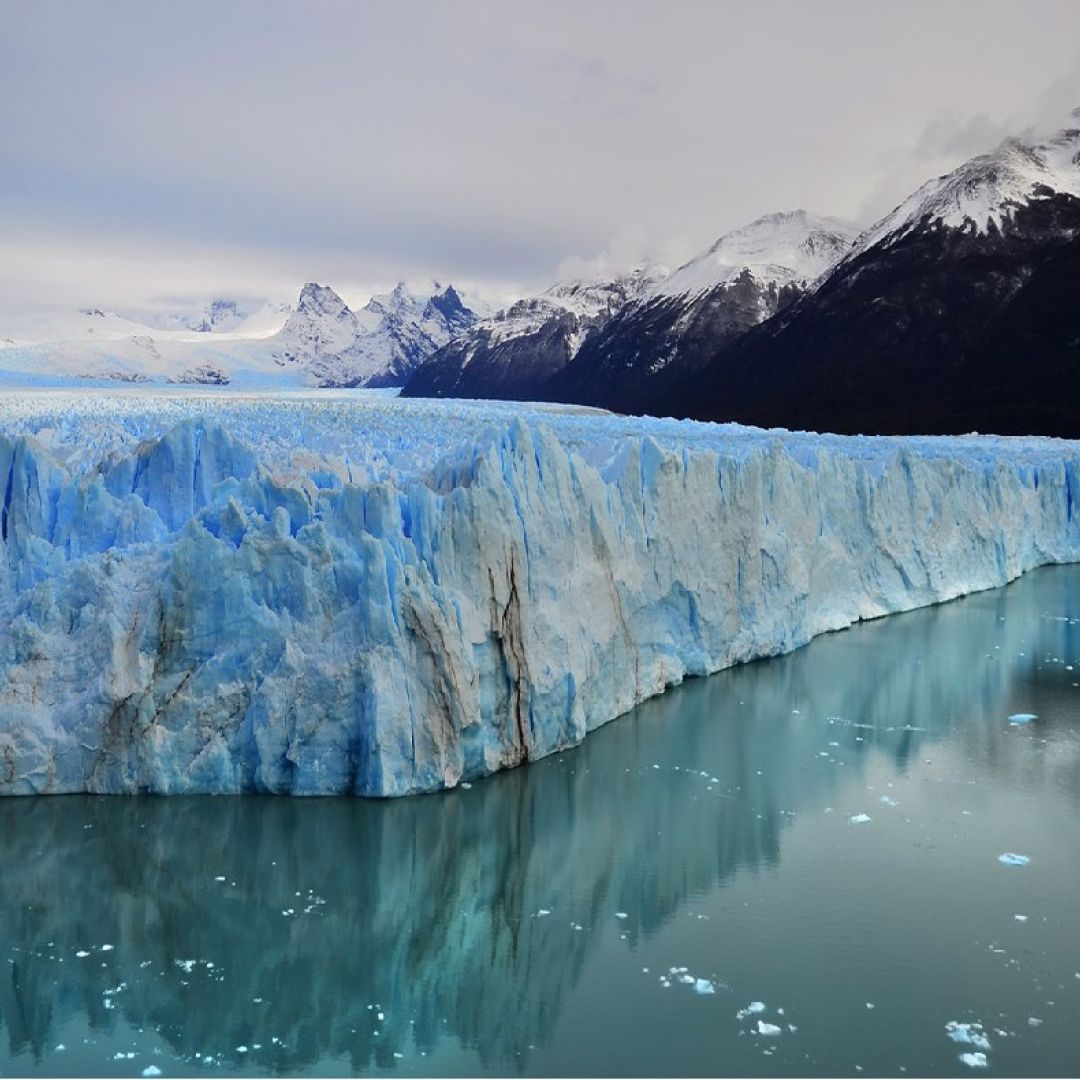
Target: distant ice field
384,437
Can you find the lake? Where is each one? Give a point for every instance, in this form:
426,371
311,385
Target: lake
789,868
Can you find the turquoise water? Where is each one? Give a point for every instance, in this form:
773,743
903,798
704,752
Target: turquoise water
530,924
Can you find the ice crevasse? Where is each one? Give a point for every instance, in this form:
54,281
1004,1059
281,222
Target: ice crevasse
187,614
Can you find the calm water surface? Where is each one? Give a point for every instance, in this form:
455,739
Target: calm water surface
531,924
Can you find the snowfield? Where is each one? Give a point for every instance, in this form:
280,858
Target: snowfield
347,592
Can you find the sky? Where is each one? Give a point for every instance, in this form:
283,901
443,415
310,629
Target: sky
155,153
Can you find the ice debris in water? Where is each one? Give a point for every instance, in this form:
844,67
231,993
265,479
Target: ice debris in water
621,915
1020,918
1023,718
972,1034
751,1009
704,986
765,1028
974,1061
859,819
1010,858
887,801
151,1070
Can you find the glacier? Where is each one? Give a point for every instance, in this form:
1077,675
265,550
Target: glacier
327,592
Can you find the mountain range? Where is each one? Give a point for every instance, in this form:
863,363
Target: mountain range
957,311
319,341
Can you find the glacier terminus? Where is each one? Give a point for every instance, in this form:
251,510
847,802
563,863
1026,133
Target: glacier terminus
326,592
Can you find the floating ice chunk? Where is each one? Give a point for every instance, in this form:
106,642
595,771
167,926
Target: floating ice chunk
703,986
1023,717
621,915
82,952
220,877
974,1061
151,1070
106,948
542,912
465,785
750,1010
859,819
687,979
1034,1021
972,1034
1010,858
869,1004
1020,918
186,965
765,1028
887,801
60,1048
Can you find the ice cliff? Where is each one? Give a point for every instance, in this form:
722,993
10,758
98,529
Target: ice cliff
428,592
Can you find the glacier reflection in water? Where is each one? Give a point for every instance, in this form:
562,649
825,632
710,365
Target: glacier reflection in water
532,922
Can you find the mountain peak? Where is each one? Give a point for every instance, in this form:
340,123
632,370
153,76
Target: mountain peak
321,300
984,192
782,247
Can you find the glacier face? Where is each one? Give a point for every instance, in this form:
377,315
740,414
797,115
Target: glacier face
323,593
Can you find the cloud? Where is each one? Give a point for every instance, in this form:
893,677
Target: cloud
150,148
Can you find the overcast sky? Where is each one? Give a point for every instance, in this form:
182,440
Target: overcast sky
152,151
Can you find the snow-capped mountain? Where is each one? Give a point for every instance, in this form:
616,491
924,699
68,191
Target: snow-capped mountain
604,343
380,345
320,342
787,248
985,193
513,354
959,310
675,326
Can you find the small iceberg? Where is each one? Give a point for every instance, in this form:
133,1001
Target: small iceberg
767,1029
859,819
1010,858
704,986
974,1061
1023,718
753,1007
972,1034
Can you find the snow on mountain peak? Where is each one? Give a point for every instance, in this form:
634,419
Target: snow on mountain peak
782,248
378,345
585,302
320,300
984,192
